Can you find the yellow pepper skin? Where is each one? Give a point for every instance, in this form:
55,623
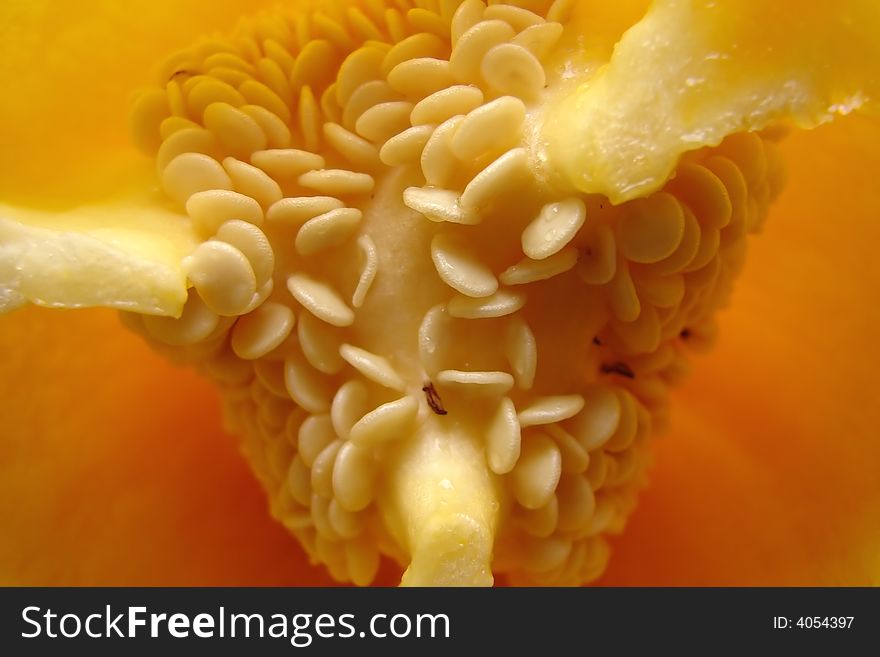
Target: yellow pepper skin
443,261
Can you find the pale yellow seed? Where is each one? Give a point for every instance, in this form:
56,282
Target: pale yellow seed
628,463
503,438
424,20
196,323
733,180
540,523
262,330
279,53
251,241
174,124
439,205
650,229
596,561
366,96
406,147
539,39
322,477
277,133
640,336
599,418
548,410
627,427
306,386
420,77
499,304
229,60
469,51
363,27
414,47
396,25
622,295
327,230
320,299
387,422
231,76
186,140
597,469
257,93
485,383
314,64
337,182
315,433
598,259
274,77
190,173
211,209
468,14
299,481
575,459
561,10
346,524
381,122
309,119
353,148
512,69
518,17
460,268
546,555
576,502
208,91
298,210
260,296
329,107
504,176
287,164
353,477
493,127
333,30
349,405
536,474
521,351
210,46
446,103
251,181
363,65
710,240
237,132
362,560
320,344
223,277
704,193
437,161
302,30
370,267
176,101
529,271
435,326
374,367
296,519
553,228
326,545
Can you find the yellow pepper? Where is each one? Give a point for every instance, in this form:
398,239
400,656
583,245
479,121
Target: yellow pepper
110,452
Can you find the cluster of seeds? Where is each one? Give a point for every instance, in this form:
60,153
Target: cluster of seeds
380,250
